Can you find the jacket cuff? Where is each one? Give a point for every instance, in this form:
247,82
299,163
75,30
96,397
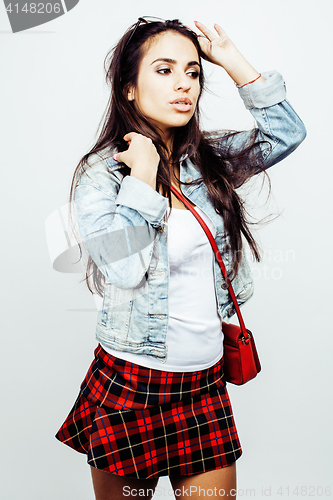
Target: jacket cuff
139,196
264,94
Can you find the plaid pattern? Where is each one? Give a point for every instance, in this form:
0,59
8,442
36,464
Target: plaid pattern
144,423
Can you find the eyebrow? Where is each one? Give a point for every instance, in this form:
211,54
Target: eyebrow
173,61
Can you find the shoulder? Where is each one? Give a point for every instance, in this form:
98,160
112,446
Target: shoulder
101,171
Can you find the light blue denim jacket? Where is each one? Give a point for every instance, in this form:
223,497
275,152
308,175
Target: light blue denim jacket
122,225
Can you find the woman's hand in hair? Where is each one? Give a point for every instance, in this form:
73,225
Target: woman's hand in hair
219,49
141,157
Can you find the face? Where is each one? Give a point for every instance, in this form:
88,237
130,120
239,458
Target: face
168,86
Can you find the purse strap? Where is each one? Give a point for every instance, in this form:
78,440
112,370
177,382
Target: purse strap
227,282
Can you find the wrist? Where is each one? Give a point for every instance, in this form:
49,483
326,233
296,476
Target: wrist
148,177
258,78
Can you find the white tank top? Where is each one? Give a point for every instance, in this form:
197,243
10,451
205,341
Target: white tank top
194,337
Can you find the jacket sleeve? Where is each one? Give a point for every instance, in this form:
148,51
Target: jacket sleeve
118,223
278,123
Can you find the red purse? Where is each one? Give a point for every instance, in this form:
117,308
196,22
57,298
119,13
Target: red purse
240,358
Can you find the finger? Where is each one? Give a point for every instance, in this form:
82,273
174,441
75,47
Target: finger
119,157
128,137
220,30
208,34
204,44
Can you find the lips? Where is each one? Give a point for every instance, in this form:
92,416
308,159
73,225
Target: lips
182,104
182,100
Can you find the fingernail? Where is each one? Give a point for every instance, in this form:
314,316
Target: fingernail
115,157
195,22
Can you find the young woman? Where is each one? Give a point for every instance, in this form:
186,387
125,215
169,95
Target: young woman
154,401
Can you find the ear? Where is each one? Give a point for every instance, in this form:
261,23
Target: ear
130,93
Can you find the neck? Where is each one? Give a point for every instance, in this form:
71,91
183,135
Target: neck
167,137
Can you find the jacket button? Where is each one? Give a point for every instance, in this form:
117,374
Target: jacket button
231,312
189,179
217,211
224,285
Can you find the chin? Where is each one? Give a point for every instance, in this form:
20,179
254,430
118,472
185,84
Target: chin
177,122
181,121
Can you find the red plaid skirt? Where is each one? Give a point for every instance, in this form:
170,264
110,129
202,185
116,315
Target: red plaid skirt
138,422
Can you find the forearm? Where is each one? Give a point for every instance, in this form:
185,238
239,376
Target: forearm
119,229
239,69
279,125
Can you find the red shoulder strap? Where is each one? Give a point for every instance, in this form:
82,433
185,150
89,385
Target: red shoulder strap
218,256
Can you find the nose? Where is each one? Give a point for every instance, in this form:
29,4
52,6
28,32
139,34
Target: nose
183,83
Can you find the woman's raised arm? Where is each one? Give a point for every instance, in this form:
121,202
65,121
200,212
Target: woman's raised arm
280,128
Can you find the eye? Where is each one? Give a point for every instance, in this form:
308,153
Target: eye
193,74
164,71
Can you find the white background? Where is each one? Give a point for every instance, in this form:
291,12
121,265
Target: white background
52,98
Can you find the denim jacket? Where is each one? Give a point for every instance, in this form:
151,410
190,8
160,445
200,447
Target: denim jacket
122,225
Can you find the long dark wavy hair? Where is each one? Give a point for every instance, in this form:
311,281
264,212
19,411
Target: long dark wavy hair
222,170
